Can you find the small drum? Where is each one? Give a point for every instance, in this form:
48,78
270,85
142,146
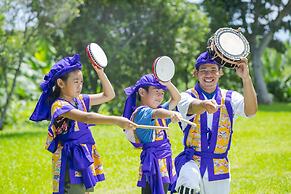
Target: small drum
228,46
163,68
96,55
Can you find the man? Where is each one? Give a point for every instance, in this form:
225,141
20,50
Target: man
203,166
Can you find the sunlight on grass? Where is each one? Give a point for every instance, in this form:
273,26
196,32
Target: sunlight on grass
260,156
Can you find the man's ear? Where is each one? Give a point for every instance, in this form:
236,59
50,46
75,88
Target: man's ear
221,72
141,91
194,73
60,83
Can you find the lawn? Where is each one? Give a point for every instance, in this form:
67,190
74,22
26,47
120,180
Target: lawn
260,156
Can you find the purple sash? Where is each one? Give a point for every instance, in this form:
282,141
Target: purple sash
208,139
78,157
150,165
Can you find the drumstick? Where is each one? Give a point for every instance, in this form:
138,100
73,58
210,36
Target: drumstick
188,122
152,127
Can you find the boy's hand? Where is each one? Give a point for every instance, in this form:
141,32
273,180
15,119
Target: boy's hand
175,116
168,83
125,123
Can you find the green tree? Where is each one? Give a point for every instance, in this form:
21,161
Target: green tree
259,20
133,34
23,26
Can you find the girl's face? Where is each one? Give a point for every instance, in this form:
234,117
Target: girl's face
153,97
72,87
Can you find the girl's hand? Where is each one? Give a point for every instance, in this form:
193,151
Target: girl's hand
97,68
175,116
125,123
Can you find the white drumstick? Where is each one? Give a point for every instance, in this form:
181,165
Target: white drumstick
188,122
152,127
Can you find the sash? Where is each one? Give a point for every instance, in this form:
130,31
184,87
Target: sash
150,164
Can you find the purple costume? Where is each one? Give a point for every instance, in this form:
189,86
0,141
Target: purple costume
71,142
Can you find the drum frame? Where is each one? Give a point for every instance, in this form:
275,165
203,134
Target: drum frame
220,55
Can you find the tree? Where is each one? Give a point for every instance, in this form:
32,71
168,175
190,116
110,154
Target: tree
133,34
23,24
259,20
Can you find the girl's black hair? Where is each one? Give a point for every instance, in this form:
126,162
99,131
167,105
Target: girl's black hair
146,88
56,89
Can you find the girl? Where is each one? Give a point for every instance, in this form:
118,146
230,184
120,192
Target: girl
76,162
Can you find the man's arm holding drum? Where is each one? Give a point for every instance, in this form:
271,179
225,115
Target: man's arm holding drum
250,97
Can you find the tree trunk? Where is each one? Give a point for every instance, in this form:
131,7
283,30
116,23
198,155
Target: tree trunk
264,96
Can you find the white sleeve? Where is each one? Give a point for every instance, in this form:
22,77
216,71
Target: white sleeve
237,103
183,105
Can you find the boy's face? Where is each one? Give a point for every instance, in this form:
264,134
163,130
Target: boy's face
153,97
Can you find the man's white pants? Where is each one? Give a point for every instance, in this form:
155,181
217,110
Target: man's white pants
190,177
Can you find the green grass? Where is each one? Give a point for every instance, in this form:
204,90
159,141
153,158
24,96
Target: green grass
260,156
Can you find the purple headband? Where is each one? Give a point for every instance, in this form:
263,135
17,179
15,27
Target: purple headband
130,103
205,58
66,65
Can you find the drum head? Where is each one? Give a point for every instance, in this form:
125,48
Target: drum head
96,55
231,43
164,68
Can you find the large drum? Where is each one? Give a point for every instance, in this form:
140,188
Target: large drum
228,46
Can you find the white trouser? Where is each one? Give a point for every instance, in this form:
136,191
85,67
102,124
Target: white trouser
190,177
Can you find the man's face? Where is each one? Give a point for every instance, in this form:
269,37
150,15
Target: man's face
208,76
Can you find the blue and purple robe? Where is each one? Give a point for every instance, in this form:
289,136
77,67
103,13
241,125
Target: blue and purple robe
156,165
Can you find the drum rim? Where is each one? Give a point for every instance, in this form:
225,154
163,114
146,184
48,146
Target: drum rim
154,68
219,32
91,57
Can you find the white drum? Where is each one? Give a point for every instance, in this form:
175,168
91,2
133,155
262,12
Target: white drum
96,55
228,46
163,68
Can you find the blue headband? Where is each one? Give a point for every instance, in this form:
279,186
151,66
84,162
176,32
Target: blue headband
66,65
130,103
205,58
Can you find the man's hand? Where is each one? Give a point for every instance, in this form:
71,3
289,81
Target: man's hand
242,70
210,106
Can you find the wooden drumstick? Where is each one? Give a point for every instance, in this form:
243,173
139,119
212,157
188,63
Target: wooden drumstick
188,122
152,127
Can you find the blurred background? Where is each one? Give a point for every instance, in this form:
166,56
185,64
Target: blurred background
34,34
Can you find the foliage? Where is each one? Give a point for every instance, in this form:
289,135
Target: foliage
23,26
259,22
259,156
133,34
278,73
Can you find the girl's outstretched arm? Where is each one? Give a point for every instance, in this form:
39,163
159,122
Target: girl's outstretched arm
95,118
108,91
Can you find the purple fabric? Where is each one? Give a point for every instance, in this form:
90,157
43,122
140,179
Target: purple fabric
205,58
206,154
79,158
150,165
131,92
66,65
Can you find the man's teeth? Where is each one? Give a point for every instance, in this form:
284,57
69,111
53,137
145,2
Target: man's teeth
208,80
